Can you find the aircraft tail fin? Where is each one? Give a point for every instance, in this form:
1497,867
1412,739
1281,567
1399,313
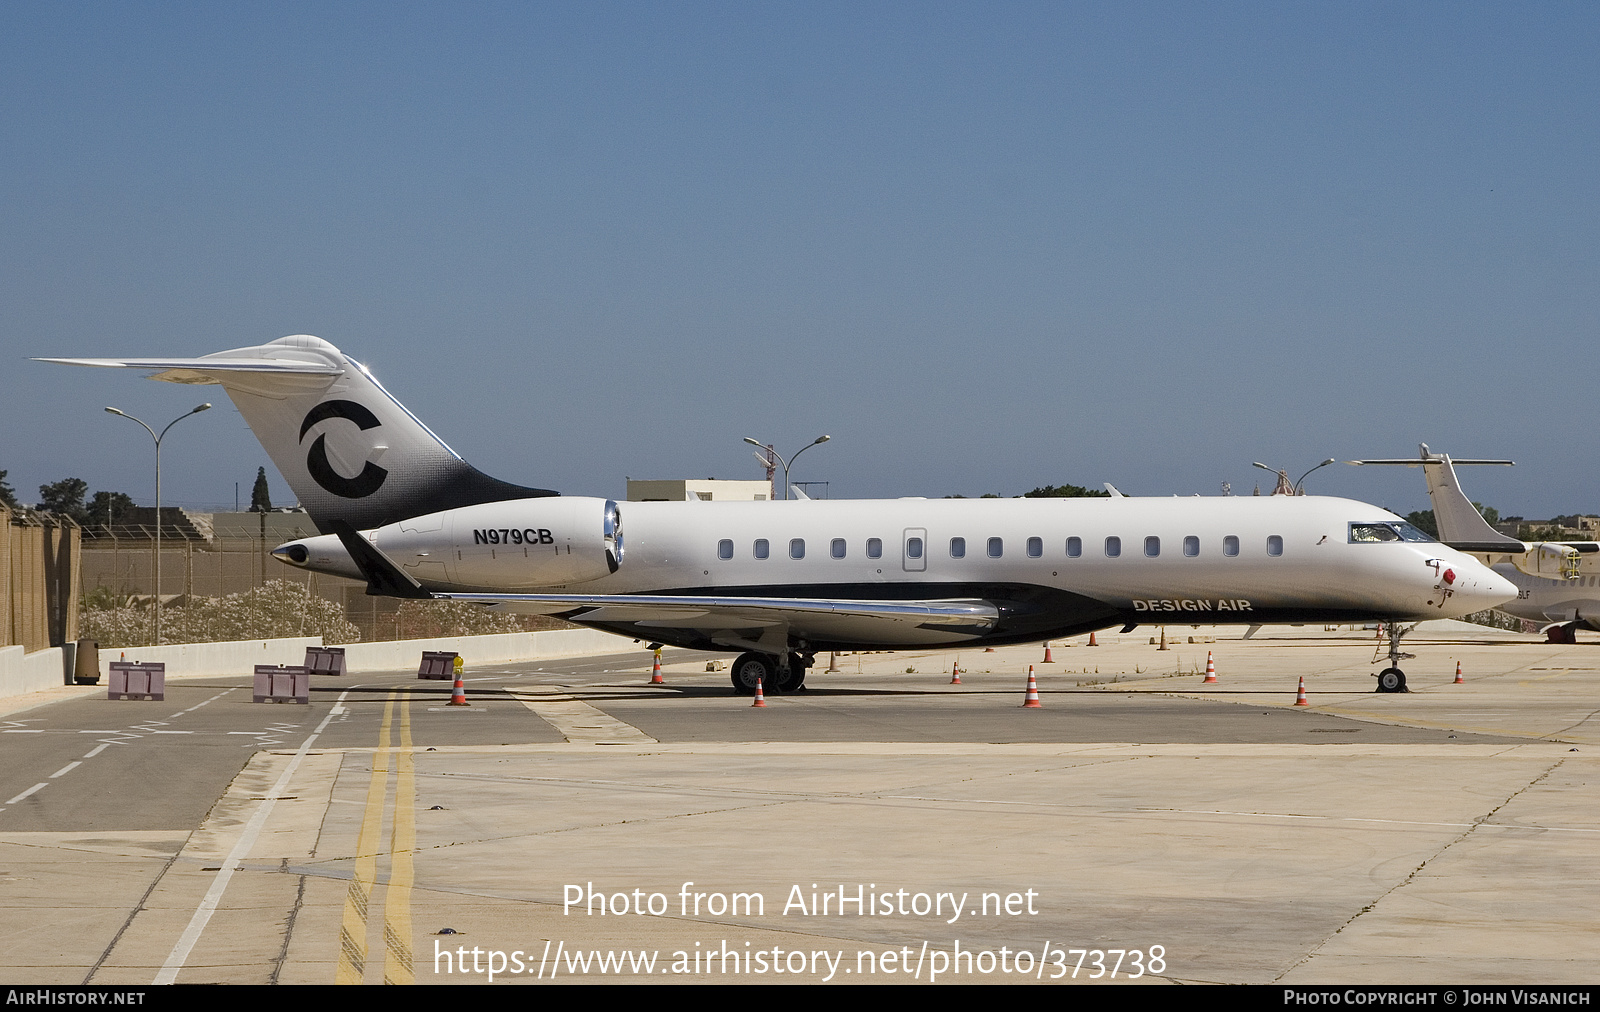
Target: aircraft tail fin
1460,524
347,448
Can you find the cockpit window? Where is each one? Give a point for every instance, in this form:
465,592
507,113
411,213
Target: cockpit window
1361,533
1410,533
1397,530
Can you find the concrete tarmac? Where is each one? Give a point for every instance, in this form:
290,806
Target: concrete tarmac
575,823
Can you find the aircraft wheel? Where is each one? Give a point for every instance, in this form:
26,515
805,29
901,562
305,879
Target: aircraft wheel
1392,680
1567,634
751,666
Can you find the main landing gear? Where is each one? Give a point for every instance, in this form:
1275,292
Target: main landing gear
777,674
1392,679
1562,633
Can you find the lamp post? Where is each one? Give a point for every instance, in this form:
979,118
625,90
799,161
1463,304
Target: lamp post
779,457
1284,475
1302,481
158,439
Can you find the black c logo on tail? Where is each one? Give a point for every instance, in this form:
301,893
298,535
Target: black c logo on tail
371,477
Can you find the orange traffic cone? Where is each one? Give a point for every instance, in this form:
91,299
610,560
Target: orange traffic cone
1047,658
1092,643
1032,700
1459,680
655,675
955,673
458,697
1211,671
1300,700
761,700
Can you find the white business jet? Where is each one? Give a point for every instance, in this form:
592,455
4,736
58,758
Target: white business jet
783,580
1558,583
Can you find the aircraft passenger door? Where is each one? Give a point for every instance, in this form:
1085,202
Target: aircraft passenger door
914,550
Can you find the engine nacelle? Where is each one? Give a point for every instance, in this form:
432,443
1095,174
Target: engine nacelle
519,544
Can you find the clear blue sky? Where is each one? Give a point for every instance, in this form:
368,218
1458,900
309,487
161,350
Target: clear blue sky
985,247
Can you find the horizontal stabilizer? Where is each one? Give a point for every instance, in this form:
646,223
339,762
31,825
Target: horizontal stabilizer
200,366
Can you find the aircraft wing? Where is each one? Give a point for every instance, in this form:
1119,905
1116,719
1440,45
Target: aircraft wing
725,619
808,617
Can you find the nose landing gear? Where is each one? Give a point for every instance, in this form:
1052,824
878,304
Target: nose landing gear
1392,679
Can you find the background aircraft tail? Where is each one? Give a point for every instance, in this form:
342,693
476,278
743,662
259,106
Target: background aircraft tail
1460,524
347,448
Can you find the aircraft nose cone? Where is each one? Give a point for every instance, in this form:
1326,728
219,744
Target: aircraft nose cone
1478,588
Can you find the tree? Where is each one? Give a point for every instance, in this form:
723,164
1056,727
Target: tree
260,500
110,508
65,497
1423,521
8,496
1064,492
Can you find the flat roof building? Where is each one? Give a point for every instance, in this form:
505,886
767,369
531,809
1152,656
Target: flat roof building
697,489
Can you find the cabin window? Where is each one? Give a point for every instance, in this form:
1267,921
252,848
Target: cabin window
1191,546
1152,547
762,549
997,547
913,548
797,548
1074,547
1274,546
1230,546
725,549
874,548
837,548
958,548
1035,547
1113,547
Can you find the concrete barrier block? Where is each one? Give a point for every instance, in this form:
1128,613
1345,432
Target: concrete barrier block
438,664
281,684
130,679
325,660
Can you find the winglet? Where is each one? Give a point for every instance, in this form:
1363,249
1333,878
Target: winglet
384,578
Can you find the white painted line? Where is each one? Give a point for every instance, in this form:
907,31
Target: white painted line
197,706
208,906
579,722
68,768
1386,822
96,750
25,793
23,730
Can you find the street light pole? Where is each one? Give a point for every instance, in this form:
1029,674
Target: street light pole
790,461
1283,473
157,567
1302,481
